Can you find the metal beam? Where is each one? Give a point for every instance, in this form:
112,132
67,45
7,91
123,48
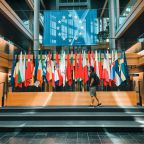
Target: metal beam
132,17
42,2
103,9
10,15
30,4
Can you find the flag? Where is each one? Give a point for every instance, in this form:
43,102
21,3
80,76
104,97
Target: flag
16,75
97,64
20,70
112,75
12,70
59,71
123,74
92,59
56,74
105,71
24,67
108,68
49,68
40,71
29,71
57,58
117,74
36,66
63,68
69,71
80,68
85,70
89,59
76,68
100,66
53,73
45,66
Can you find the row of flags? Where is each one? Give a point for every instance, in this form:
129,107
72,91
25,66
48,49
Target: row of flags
67,68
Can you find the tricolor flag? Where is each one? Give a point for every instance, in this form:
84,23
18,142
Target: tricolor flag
63,67
112,75
29,71
85,69
49,68
89,59
69,71
45,66
97,64
105,70
92,59
12,71
20,71
108,68
100,66
53,72
60,71
40,71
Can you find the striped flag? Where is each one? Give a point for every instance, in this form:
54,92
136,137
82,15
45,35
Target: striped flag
12,71
108,68
85,69
117,74
97,64
20,70
49,68
40,71
45,66
105,70
100,66
122,67
112,75
63,67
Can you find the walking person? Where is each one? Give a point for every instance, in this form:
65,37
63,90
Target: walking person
94,81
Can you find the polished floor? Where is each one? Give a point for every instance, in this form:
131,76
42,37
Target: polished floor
71,138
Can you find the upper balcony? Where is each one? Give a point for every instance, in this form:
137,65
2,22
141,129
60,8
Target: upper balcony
133,10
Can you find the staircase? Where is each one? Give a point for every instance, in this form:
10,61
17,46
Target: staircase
82,118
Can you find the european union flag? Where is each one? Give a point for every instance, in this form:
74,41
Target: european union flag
70,27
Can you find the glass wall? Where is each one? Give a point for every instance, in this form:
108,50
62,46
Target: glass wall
129,7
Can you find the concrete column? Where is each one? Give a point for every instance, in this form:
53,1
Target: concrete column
112,23
36,25
117,13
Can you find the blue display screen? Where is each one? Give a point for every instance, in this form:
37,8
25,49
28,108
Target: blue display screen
70,27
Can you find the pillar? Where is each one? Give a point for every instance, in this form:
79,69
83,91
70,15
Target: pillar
36,26
112,23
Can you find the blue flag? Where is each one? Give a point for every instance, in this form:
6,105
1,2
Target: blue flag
12,71
70,27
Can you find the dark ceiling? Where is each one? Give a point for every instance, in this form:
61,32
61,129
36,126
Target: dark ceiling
10,32
21,8
131,35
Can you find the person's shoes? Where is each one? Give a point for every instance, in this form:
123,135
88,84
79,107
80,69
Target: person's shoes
91,105
99,104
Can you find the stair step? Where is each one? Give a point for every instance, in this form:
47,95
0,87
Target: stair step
72,109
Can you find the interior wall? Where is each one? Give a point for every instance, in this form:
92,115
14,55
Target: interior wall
3,78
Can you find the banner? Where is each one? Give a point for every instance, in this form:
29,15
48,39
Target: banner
70,27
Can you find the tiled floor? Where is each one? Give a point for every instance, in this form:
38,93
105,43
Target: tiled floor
71,138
